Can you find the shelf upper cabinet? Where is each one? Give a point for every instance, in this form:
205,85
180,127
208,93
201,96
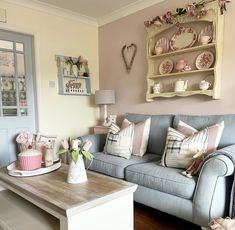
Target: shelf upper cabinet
186,41
73,76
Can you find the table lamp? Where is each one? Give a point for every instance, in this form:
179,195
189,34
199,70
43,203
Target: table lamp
105,97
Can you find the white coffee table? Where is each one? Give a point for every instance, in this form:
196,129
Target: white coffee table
100,203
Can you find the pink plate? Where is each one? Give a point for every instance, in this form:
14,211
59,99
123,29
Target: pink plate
166,66
204,60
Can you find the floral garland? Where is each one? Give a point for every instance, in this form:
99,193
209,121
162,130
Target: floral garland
195,10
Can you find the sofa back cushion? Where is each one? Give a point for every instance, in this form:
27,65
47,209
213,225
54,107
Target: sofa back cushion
200,122
158,130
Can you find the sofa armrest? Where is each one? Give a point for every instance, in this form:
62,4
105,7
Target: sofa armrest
212,190
98,142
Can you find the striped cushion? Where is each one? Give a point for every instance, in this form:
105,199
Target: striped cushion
119,142
141,136
114,128
214,136
180,149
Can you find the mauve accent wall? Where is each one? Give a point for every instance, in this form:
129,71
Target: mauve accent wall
131,88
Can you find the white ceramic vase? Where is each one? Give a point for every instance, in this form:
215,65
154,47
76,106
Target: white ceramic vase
77,171
75,70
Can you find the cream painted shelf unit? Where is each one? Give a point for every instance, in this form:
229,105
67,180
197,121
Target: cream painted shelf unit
215,20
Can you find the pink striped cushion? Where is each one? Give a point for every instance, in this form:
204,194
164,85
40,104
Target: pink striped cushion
141,136
213,138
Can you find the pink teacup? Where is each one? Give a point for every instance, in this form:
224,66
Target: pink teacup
205,39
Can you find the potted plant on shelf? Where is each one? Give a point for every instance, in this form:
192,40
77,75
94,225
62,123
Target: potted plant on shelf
76,150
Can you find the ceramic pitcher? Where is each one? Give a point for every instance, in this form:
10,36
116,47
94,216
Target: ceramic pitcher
77,171
180,85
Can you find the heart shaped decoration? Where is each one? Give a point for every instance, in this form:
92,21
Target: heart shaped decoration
125,50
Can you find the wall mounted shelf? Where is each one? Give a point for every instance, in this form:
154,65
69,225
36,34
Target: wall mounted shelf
163,34
73,81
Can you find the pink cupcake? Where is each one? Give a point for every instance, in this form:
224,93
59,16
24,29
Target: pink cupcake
30,159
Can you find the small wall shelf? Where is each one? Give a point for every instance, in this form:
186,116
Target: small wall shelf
171,38
73,79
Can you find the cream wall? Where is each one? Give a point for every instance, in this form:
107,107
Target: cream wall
58,114
131,88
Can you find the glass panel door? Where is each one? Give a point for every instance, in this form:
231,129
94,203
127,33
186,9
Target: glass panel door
12,79
17,92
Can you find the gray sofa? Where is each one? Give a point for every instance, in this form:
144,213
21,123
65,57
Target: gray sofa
197,199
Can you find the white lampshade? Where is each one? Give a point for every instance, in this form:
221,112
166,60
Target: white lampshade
104,97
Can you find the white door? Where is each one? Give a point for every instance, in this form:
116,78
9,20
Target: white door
17,97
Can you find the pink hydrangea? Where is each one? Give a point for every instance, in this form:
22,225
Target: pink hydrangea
190,8
168,17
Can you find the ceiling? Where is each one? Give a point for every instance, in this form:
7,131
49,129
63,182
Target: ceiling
92,8
96,12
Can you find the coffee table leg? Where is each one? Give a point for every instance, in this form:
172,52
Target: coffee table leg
116,214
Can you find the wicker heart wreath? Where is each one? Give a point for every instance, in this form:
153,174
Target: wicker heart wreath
130,48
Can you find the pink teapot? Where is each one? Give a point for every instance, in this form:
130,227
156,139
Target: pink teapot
180,65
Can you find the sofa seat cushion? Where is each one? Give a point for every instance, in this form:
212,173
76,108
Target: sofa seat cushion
114,166
168,180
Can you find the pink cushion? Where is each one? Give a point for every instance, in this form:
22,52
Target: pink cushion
141,136
213,138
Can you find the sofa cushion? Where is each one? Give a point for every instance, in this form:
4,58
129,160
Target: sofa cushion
200,122
168,180
158,130
180,150
141,136
119,142
113,165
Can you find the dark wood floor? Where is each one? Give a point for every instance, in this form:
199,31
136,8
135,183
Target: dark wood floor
150,219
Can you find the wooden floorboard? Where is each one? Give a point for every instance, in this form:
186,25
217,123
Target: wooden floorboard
147,218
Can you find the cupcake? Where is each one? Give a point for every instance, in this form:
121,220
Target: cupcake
30,159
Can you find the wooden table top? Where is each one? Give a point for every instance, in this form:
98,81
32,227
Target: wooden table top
55,193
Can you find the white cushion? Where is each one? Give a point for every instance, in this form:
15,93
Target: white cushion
119,142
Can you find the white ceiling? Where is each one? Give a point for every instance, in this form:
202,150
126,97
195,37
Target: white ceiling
92,8
95,12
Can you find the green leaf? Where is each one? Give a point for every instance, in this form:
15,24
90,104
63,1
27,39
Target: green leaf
62,151
87,155
75,156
